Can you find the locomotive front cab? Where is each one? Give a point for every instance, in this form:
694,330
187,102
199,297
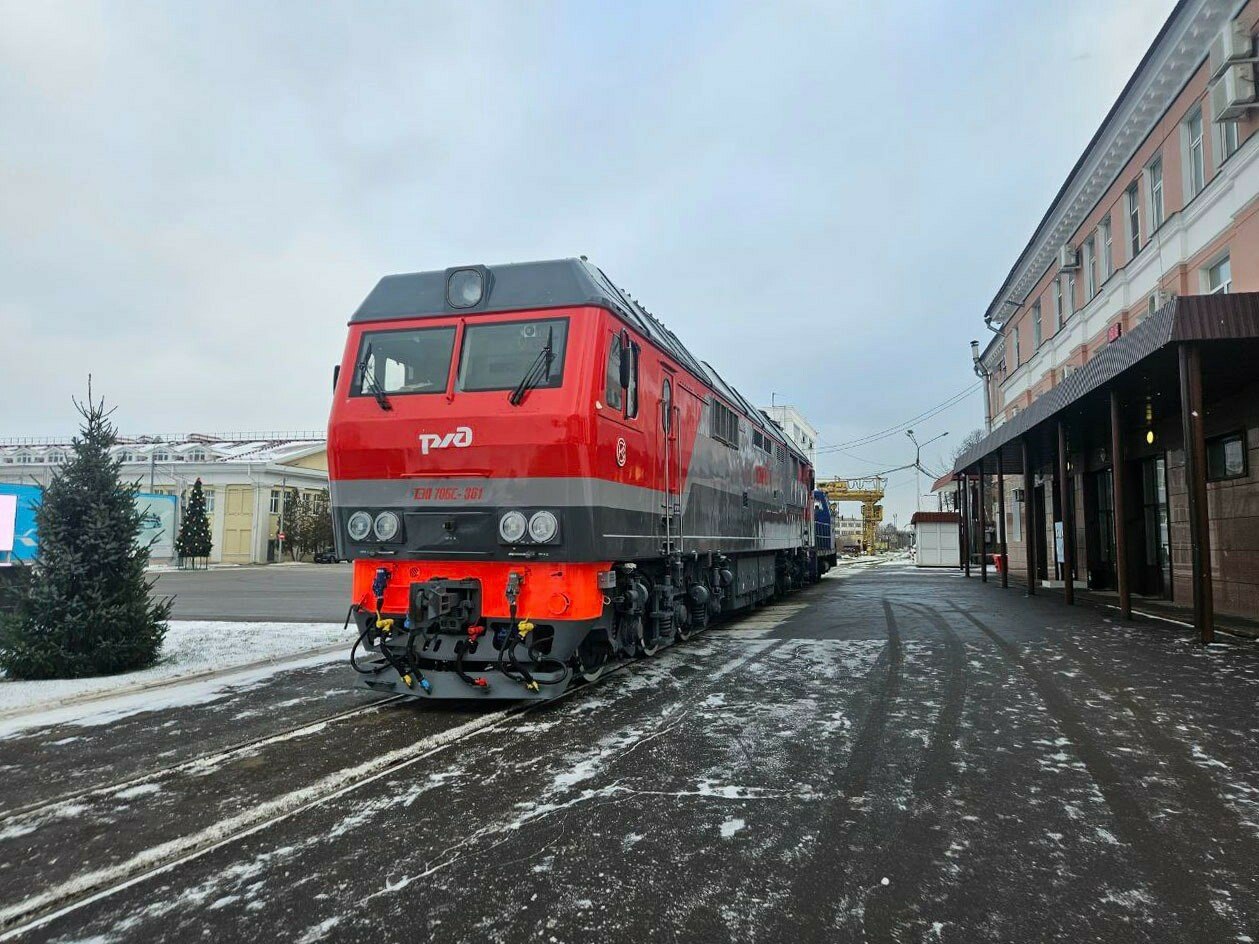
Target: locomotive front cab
459,446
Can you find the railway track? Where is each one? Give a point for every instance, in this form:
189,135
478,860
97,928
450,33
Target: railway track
39,909
210,758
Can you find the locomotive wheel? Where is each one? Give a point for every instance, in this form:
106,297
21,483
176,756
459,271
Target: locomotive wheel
592,658
649,643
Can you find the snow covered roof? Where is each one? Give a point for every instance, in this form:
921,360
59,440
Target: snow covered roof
194,447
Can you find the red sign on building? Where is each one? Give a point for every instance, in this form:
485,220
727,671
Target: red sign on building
1114,331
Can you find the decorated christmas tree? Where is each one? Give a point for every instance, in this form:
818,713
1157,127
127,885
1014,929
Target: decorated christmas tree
194,542
87,608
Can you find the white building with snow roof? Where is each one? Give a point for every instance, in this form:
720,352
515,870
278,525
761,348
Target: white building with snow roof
244,476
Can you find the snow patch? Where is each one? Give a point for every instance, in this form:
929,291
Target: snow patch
730,827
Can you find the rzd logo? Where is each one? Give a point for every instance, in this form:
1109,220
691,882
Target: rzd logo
461,438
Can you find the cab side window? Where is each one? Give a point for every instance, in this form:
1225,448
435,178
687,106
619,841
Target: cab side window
613,392
621,354
631,398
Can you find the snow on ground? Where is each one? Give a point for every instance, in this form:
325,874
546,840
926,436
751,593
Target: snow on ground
192,647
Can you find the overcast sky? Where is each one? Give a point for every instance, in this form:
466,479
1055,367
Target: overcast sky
820,199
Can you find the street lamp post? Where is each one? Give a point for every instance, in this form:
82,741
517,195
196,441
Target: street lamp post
918,461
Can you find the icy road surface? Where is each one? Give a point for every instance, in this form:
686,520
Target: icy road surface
890,756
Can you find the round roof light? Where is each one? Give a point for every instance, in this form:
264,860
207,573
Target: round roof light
465,288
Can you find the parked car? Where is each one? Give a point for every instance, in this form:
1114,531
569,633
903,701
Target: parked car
328,556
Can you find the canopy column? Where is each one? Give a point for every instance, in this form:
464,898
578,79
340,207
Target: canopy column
983,526
1001,548
1068,518
1029,534
1118,499
1196,487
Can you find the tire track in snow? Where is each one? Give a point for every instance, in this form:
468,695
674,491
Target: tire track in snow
1235,849
1179,886
909,856
808,910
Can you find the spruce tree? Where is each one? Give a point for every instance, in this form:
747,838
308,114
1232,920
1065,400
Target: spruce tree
194,541
87,608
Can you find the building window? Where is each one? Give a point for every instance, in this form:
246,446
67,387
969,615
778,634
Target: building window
161,455
1090,267
1036,328
1153,305
25,458
1018,352
126,456
1155,175
209,499
1220,278
1108,251
276,501
1058,310
1134,221
1070,294
1196,163
1229,140
1226,457
197,455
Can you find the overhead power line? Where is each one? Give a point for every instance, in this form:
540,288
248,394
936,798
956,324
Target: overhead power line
902,426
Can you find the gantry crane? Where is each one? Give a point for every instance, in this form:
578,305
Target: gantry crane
869,491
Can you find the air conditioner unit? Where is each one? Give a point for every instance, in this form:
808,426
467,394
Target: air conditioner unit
1231,43
1068,257
1233,92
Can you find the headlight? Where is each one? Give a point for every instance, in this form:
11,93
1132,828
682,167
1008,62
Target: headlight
464,288
543,526
511,527
386,526
359,525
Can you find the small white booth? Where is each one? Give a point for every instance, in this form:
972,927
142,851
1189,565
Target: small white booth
936,539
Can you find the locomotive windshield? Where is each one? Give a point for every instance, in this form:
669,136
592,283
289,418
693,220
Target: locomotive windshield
497,356
401,362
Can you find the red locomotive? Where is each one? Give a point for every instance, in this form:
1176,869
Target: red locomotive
534,478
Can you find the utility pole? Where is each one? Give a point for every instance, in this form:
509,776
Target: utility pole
918,462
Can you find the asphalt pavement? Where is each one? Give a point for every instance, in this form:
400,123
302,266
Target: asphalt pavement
291,593
892,755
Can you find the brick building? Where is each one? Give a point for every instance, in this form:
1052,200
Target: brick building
1127,329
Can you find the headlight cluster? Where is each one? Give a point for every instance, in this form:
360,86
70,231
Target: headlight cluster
385,526
543,527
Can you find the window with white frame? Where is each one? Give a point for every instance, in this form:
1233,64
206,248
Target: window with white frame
1220,277
1070,294
1195,163
1229,140
1090,268
197,455
1134,220
276,501
1037,334
1058,309
1018,353
1154,174
1108,251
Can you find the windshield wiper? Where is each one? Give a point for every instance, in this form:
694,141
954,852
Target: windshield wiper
538,371
373,385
